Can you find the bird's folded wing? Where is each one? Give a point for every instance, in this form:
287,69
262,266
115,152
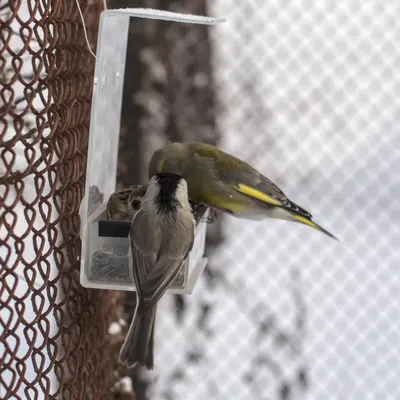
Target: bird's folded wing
154,280
240,176
153,273
247,180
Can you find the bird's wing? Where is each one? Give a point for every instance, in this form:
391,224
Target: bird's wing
242,177
153,280
154,273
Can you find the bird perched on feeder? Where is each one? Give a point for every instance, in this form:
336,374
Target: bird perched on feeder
123,204
223,182
161,237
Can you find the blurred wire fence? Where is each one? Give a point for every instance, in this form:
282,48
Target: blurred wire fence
307,93
304,91
54,340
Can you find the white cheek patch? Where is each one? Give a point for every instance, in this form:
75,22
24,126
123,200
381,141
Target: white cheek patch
182,193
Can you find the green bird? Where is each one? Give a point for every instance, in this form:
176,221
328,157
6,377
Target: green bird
226,183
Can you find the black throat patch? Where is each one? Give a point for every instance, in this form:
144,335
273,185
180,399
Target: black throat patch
168,184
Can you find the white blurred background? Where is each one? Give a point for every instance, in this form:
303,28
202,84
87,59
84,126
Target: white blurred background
309,95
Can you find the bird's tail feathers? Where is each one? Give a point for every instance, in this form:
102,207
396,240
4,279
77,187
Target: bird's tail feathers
139,342
306,221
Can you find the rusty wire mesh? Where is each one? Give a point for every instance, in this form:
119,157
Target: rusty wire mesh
53,333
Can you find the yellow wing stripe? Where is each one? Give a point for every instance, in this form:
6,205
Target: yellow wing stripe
258,195
306,221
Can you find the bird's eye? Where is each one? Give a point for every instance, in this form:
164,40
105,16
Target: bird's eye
136,204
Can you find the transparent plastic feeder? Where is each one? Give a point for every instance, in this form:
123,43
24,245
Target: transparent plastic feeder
107,261
105,255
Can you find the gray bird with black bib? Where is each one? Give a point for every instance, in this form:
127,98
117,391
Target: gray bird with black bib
161,237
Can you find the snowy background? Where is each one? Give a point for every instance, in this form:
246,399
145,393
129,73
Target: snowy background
309,95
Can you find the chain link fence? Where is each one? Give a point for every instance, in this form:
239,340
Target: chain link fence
307,93
54,339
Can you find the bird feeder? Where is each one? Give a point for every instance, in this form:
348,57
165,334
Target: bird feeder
106,261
